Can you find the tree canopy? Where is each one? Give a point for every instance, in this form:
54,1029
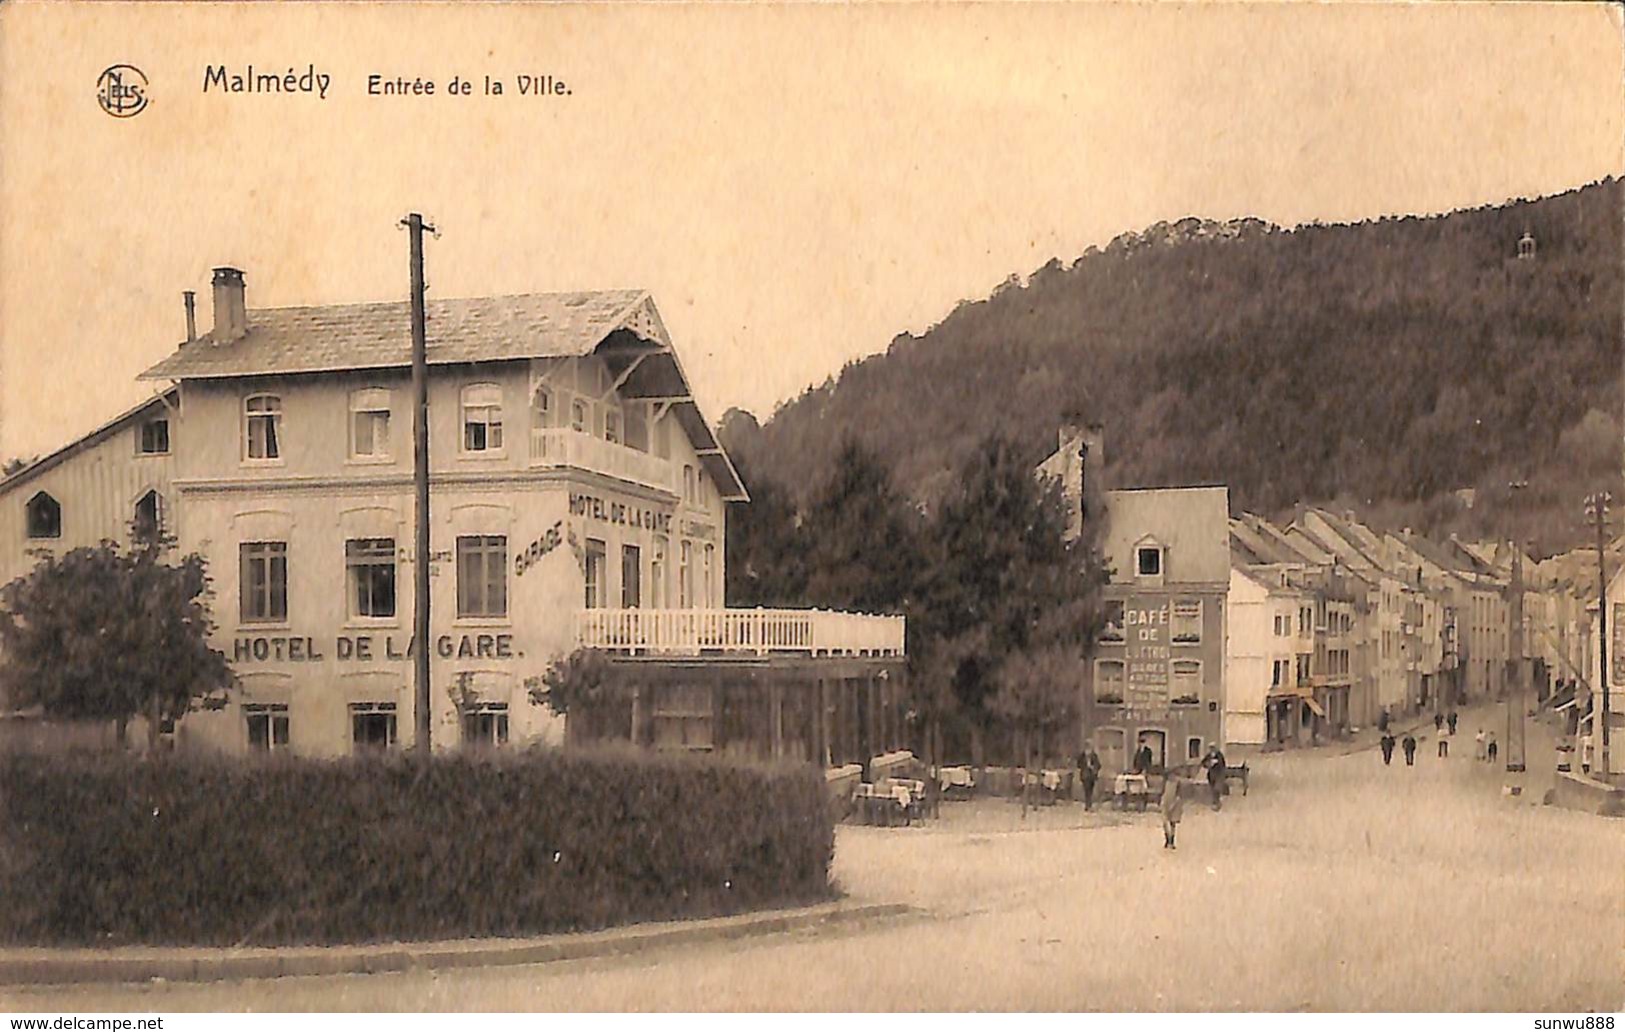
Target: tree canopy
110,632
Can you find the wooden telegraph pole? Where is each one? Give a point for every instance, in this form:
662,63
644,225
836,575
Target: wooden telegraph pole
420,480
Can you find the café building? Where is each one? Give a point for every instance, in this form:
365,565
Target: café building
1155,677
578,501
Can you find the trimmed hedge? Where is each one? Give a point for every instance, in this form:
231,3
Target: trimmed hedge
112,849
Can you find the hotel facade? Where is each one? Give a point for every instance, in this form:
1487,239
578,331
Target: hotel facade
579,501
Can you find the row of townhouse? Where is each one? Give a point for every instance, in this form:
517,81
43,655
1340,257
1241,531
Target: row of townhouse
1588,664
1418,624
579,500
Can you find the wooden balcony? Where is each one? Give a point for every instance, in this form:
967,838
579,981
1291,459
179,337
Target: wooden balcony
563,448
693,632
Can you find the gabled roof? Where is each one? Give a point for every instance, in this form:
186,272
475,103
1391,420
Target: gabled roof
378,335
1342,539
621,326
1271,548
168,400
1191,522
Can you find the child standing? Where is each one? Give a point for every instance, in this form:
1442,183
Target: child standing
1173,808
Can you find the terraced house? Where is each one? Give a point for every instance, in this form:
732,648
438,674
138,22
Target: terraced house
579,501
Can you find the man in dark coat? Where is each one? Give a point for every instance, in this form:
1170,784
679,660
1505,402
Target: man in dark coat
1143,759
1387,743
1438,721
1088,774
1451,719
1409,745
1214,763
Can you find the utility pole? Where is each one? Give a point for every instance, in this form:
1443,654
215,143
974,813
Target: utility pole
1597,509
420,481
1515,677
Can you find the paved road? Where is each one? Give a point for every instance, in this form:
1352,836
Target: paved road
1338,884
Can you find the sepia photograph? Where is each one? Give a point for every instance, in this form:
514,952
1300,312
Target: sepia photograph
812,508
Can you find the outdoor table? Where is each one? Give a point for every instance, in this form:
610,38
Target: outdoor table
955,779
1135,787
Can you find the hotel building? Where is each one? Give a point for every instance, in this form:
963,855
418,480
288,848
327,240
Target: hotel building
579,501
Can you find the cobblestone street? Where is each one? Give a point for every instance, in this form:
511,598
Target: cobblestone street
1337,884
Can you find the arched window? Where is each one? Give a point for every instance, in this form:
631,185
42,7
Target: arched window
149,516
44,517
262,427
369,424
482,418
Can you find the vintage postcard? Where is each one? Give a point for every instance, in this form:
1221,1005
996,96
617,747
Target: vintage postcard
931,507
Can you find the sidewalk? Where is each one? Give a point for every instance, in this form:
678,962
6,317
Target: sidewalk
41,966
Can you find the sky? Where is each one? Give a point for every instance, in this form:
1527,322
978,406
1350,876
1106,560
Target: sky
796,185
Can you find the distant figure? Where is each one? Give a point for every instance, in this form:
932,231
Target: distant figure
1478,745
1173,808
1444,747
1216,767
1491,747
1387,743
1088,774
1451,720
1143,760
1382,721
1409,745
1438,721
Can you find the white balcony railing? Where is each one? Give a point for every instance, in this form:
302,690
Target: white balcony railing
813,632
571,449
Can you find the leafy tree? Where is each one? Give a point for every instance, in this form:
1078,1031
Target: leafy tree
862,538
108,633
1006,583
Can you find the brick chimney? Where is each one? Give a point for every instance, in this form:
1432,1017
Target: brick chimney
230,309
189,298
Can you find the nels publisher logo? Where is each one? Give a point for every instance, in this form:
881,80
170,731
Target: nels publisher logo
122,91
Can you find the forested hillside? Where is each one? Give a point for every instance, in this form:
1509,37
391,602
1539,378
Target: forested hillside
1380,365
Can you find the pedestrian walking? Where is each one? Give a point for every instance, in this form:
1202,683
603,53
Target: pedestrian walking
1382,721
1491,747
1409,745
1478,745
1173,808
1088,775
1387,743
1451,720
1444,747
1438,721
1214,762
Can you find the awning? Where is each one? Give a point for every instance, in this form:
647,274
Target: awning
1566,705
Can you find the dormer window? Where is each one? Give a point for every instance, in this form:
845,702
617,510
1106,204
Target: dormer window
153,438
44,517
1148,560
482,418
